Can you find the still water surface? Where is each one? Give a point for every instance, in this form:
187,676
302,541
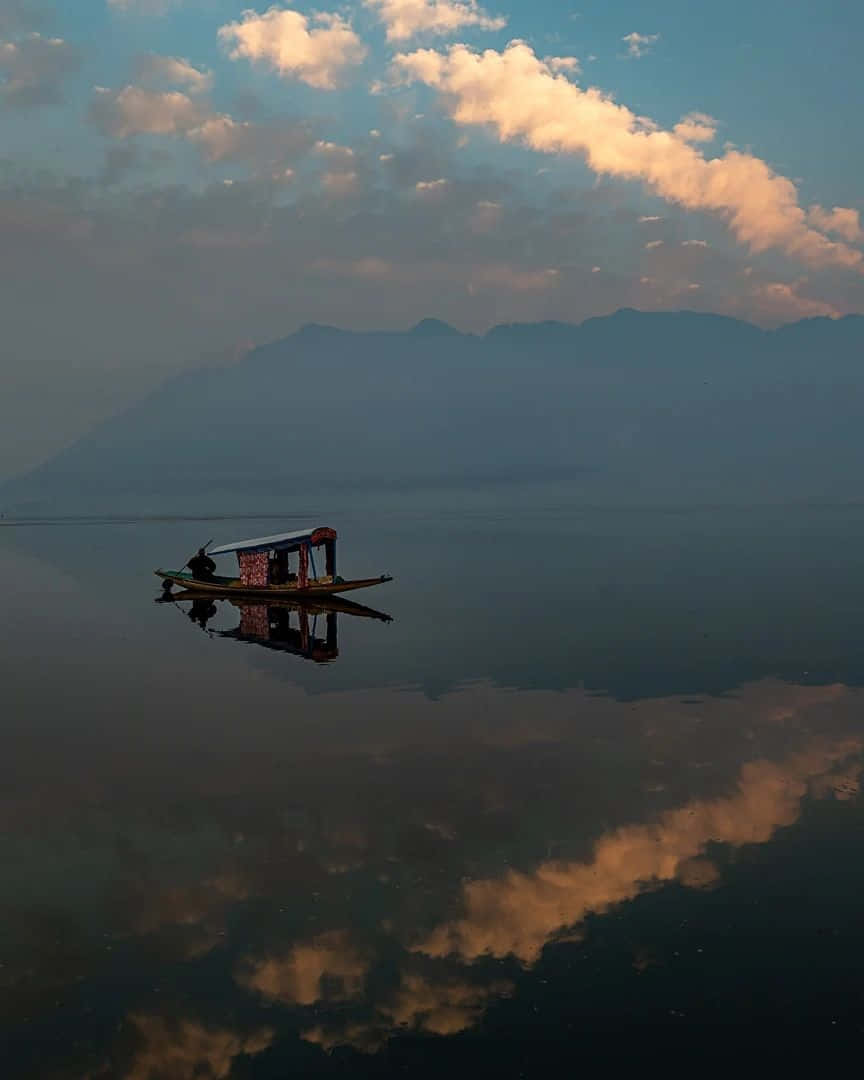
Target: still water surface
593,794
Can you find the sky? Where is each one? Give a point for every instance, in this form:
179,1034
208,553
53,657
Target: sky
181,179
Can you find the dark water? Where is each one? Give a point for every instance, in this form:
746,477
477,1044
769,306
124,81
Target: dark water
592,797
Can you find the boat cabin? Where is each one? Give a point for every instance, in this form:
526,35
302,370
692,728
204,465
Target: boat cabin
266,560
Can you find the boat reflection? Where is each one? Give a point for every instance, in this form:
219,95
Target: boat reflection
309,629
334,889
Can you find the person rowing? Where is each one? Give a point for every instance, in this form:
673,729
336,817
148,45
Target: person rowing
202,566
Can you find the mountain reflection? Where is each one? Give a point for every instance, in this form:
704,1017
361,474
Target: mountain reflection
283,626
347,894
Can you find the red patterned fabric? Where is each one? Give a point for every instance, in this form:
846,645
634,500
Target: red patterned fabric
255,620
254,567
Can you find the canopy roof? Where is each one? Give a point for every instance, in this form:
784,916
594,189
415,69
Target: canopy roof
281,541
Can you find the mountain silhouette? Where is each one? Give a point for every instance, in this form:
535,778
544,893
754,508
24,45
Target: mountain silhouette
636,405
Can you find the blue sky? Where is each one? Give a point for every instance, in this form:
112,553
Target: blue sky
780,77
180,178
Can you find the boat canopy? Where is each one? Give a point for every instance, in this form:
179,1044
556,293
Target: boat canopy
292,541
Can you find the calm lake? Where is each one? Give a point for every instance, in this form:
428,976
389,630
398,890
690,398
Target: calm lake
591,796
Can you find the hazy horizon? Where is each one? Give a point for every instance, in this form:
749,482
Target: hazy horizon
523,342
181,178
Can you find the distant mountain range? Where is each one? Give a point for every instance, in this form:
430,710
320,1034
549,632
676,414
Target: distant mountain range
640,406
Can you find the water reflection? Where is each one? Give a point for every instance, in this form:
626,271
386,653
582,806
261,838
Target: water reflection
287,626
331,895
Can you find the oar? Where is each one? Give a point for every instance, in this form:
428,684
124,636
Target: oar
209,542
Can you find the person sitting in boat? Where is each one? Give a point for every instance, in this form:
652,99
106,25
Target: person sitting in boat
202,566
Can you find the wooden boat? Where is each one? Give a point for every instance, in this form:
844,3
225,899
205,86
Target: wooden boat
265,570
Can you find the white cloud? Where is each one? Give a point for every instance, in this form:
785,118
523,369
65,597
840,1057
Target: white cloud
222,138
431,187
334,151
694,243
696,127
841,221
653,244
515,92
639,44
33,68
317,49
135,111
645,218
563,64
174,71
406,18
273,144
782,301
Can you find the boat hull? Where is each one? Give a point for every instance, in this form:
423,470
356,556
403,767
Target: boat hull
235,587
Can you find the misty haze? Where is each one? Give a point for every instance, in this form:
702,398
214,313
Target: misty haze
432,534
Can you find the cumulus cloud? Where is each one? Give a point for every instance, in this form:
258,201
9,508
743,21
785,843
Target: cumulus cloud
841,221
173,71
639,44
33,68
515,92
316,49
136,111
222,138
431,187
406,18
563,64
696,127
334,151
783,301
